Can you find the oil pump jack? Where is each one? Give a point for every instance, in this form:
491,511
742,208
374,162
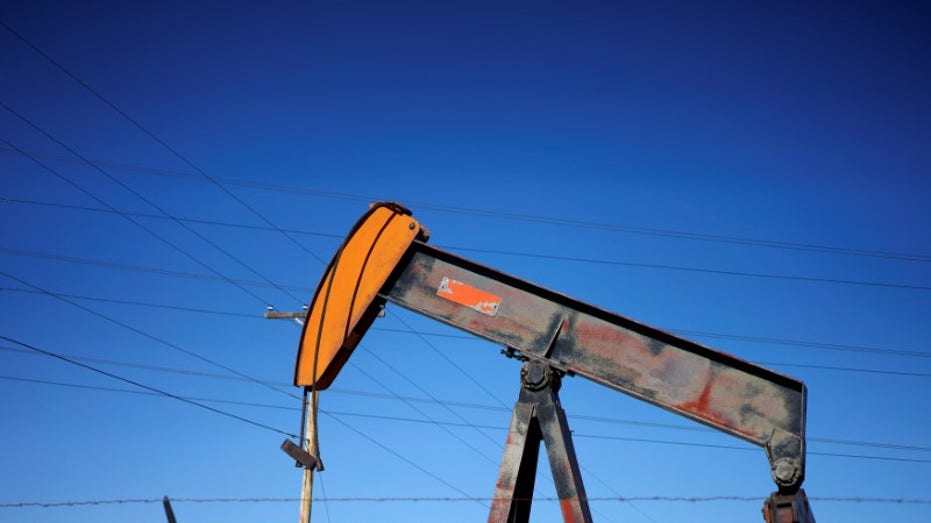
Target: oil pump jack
385,258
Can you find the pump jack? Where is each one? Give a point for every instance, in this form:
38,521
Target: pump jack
385,258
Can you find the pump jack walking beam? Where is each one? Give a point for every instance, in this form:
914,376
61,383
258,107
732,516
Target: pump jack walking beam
386,258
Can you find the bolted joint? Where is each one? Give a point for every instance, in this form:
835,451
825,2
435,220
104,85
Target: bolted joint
536,375
787,473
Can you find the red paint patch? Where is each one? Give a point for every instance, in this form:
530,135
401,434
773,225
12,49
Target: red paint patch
464,294
569,514
702,408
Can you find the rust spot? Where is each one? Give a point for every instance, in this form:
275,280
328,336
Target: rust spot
702,407
567,506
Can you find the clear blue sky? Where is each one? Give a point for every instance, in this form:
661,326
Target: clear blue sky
517,134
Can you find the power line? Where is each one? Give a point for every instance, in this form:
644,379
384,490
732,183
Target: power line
337,415
549,220
467,424
136,303
736,337
196,402
683,268
401,457
430,419
146,387
436,499
148,201
198,221
148,335
133,220
133,121
154,137
142,269
804,343
449,360
575,259
775,341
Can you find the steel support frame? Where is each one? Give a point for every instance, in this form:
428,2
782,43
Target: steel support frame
538,416
788,508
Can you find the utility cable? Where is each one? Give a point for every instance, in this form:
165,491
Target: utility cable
385,417
427,418
152,216
143,386
424,499
142,269
139,224
154,137
571,259
424,392
776,341
478,406
402,458
528,218
148,201
449,360
683,268
149,336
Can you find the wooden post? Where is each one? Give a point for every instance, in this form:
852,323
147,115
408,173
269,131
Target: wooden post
310,445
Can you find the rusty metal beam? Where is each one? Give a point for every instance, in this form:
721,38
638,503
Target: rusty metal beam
714,388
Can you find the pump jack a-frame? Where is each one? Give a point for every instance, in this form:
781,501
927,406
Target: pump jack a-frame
385,258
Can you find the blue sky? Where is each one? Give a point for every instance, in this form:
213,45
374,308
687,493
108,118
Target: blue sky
704,168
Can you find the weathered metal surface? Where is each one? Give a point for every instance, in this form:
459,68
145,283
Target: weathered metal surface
790,508
463,294
517,475
537,418
573,502
720,390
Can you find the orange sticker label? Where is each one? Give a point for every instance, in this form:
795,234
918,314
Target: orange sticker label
463,294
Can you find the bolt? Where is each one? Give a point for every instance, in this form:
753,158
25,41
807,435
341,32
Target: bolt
535,375
785,471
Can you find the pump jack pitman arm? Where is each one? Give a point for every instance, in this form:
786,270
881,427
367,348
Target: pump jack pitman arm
386,258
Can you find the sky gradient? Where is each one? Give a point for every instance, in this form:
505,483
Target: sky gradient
753,177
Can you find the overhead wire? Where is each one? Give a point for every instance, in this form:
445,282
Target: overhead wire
414,399
233,371
430,419
684,268
148,201
143,386
340,414
775,341
529,218
148,335
259,214
142,268
560,258
177,154
137,223
155,137
396,454
198,221
434,499
384,417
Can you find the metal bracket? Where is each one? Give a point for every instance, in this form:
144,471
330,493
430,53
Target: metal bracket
301,456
